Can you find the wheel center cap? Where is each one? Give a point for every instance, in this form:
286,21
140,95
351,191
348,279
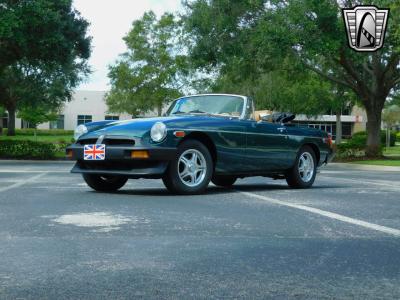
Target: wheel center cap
192,167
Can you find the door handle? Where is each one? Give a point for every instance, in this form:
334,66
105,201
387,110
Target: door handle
281,129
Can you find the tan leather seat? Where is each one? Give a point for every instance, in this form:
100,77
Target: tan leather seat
259,113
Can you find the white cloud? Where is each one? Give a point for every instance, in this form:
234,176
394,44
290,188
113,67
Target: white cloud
110,22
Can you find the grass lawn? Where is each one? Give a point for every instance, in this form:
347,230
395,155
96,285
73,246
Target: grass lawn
392,151
40,138
384,162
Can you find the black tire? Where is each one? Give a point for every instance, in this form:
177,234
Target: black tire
104,183
172,179
299,179
224,181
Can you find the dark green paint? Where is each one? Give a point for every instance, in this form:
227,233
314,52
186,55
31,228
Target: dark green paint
243,146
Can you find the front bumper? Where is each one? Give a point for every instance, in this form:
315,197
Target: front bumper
118,161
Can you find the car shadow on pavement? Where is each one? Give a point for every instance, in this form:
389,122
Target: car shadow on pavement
266,187
215,190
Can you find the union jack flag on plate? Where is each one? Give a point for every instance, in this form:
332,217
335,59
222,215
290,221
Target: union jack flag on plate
94,152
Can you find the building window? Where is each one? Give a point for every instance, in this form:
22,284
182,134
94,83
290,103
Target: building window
112,118
57,124
26,124
83,119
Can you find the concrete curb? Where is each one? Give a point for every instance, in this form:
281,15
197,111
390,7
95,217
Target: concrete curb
20,161
366,167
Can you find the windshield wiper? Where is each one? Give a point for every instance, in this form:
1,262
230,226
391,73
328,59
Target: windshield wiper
196,111
189,112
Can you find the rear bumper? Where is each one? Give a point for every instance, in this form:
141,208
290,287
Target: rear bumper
327,158
118,161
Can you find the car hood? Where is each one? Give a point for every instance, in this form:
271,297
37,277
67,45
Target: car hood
139,127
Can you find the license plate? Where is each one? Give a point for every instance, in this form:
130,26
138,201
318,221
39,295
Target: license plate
94,152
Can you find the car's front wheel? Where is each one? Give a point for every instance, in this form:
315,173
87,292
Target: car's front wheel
303,173
190,172
103,183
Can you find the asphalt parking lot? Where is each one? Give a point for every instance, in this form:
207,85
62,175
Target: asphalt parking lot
59,239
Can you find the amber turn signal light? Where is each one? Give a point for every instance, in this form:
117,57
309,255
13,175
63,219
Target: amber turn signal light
69,154
179,134
139,154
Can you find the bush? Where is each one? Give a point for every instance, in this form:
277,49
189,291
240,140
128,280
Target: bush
354,147
42,132
29,149
363,135
398,137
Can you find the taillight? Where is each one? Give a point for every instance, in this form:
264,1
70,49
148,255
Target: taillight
328,140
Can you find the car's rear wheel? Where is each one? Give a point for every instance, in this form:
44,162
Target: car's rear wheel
303,173
224,180
190,172
104,183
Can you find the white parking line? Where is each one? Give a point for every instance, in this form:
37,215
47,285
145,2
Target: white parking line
384,183
22,182
335,216
32,171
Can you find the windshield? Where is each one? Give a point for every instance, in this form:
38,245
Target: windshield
231,106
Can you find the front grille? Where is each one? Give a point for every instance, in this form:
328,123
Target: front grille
109,141
118,142
86,141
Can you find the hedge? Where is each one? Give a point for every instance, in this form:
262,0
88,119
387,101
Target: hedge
355,147
363,135
42,132
398,137
29,149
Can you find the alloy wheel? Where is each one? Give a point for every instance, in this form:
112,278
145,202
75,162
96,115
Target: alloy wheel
306,167
192,167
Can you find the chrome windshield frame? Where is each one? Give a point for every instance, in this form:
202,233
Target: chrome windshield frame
245,101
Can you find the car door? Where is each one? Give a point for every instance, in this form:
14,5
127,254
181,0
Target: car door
266,146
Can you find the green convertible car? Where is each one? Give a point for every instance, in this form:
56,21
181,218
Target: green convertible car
201,138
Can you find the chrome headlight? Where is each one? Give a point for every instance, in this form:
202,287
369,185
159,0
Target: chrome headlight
79,131
158,132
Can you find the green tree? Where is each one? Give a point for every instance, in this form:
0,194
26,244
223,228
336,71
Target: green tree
2,111
391,115
292,88
43,51
251,38
150,73
38,114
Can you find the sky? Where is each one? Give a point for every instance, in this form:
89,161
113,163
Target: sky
110,21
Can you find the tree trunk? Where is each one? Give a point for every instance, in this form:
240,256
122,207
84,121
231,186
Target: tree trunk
338,139
11,121
374,133
159,110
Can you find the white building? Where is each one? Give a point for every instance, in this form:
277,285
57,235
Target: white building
353,120
89,106
85,106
